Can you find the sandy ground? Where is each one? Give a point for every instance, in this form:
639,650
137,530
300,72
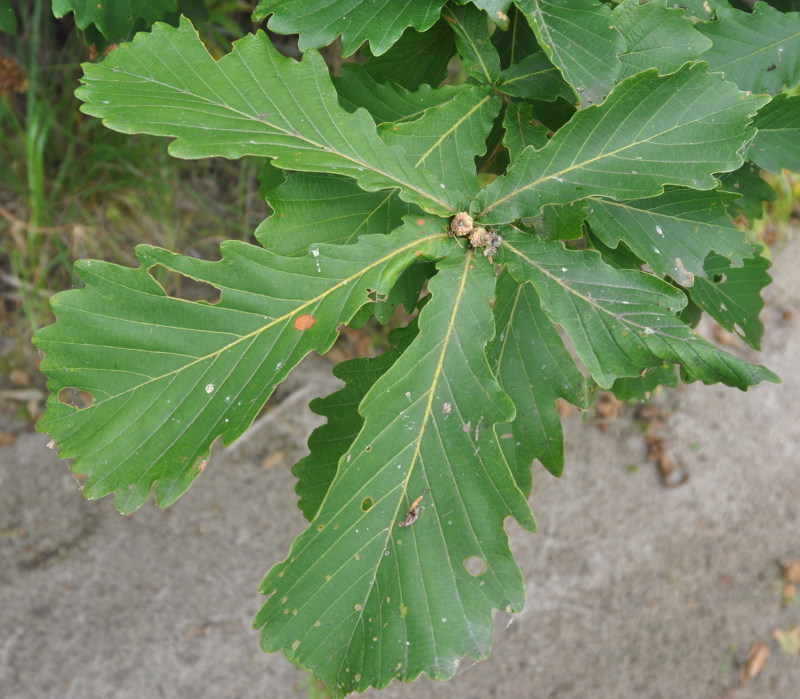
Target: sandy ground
634,590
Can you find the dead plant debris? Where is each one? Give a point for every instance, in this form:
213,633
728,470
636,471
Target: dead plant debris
756,660
673,471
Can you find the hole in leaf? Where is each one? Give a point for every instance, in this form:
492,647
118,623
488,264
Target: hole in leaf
366,504
475,565
374,295
719,278
179,286
76,398
304,322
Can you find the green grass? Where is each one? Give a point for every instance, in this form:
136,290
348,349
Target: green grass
71,188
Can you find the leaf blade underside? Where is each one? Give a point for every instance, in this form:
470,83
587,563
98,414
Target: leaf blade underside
253,101
631,145
169,376
621,321
406,602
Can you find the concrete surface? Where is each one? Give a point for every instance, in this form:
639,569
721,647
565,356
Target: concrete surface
634,590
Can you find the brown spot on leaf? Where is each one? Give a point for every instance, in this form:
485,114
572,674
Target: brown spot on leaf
304,322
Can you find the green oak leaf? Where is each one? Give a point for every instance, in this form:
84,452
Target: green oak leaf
741,52
532,365
417,58
579,38
620,321
732,295
311,208
673,232
777,143
522,129
471,30
561,221
115,20
496,9
750,188
253,101
381,22
515,41
361,600
631,145
534,77
702,9
445,139
656,37
328,443
169,376
642,387
388,101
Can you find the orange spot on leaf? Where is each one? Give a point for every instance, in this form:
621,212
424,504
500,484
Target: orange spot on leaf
420,221
418,253
304,322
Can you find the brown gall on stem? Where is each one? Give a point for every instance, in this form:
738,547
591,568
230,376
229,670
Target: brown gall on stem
461,225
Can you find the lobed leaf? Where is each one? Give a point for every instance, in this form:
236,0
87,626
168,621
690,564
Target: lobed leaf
312,208
759,51
253,101
361,600
534,368
168,376
777,143
534,77
732,295
381,22
496,9
750,188
471,30
702,9
651,131
115,20
522,129
445,139
416,58
330,442
674,232
578,37
388,102
656,37
620,321
515,41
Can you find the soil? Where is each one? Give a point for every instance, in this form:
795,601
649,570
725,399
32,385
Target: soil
635,590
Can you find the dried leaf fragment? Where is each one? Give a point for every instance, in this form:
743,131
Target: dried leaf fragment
756,659
791,571
789,641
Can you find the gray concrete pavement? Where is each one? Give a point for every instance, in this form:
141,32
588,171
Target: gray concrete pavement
634,591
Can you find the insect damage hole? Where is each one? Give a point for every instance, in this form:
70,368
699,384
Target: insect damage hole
76,398
475,565
181,286
366,504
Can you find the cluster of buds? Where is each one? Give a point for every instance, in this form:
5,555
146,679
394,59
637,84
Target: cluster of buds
463,226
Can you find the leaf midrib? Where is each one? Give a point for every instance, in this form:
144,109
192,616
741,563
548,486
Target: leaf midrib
276,321
590,161
292,133
428,411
